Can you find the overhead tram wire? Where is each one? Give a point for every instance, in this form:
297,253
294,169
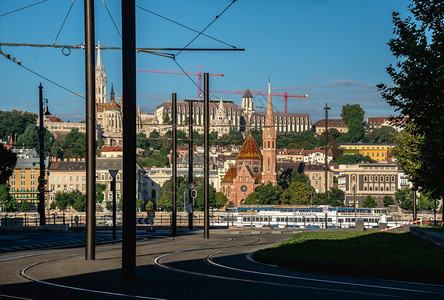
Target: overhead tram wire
17,62
63,24
182,25
112,19
19,9
211,23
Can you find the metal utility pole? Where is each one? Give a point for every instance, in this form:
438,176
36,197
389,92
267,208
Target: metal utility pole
90,85
206,156
326,160
190,164
129,138
174,165
41,205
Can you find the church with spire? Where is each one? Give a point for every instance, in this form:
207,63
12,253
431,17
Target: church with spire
252,167
109,115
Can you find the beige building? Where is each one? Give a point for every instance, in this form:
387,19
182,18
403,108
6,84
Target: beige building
376,180
24,181
337,124
316,174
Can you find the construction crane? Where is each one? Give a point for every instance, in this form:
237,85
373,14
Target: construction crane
285,95
199,76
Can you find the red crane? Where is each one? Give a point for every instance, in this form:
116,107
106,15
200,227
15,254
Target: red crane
285,95
199,76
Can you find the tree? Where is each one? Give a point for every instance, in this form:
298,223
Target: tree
199,201
25,206
388,200
74,144
290,175
9,203
63,200
142,141
297,193
15,123
382,135
150,205
154,140
335,197
139,204
78,200
369,202
404,198
418,78
265,195
352,159
427,202
100,188
221,200
8,161
214,139
257,135
352,114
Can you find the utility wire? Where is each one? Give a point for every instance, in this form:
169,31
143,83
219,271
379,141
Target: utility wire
211,23
18,62
177,23
63,24
22,8
109,13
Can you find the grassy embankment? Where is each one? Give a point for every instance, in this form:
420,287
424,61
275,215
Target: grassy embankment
389,255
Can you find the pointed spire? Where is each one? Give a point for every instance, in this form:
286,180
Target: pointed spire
247,94
112,97
269,121
99,55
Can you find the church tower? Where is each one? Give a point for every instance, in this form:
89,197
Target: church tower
269,145
100,78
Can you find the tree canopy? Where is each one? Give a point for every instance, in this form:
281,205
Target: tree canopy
8,161
15,123
418,78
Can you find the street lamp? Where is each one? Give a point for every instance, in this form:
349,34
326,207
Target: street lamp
43,111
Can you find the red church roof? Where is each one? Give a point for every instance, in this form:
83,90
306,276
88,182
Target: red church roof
250,149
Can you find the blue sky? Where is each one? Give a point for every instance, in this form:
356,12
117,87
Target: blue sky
333,50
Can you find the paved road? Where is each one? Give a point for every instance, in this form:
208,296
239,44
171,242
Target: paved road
184,267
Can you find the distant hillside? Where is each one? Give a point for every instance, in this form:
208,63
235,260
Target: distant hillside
15,122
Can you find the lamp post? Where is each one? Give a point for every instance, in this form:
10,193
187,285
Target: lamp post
42,112
113,174
326,160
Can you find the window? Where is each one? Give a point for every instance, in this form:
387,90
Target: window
102,177
58,178
153,194
70,178
393,178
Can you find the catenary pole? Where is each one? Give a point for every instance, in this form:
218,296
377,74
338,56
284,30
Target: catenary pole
129,138
190,163
41,204
174,165
206,156
90,131
326,160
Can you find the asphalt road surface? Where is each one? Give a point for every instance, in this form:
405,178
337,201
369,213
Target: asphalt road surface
183,267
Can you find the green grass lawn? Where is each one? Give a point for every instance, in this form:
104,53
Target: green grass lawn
433,228
390,255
